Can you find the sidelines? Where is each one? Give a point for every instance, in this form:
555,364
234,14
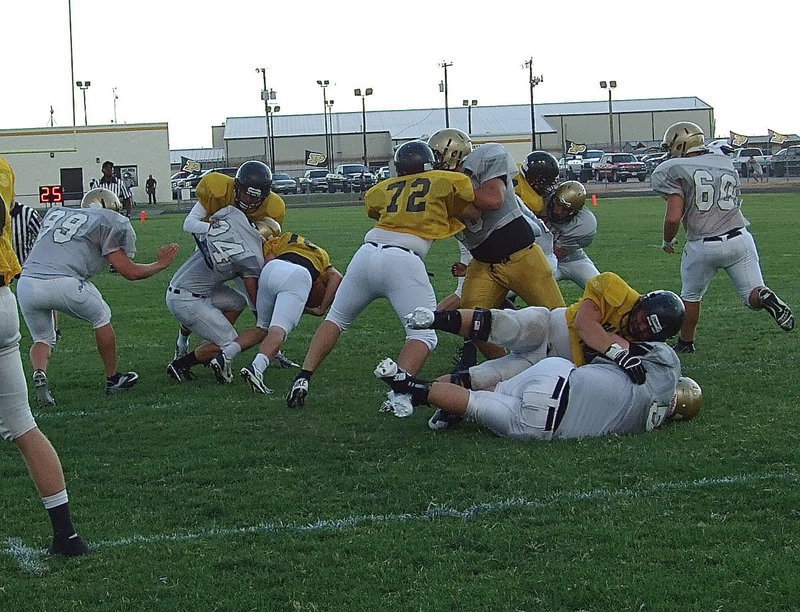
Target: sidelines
31,559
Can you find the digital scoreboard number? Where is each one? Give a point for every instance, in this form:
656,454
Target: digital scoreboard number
51,194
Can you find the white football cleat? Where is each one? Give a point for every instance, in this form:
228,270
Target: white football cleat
419,318
386,368
399,404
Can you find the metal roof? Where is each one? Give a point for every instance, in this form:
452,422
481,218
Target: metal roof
419,123
200,155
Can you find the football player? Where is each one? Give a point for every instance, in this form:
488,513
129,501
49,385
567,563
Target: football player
17,424
412,210
74,245
554,400
298,278
199,298
702,191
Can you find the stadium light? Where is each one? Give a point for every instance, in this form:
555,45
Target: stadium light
609,85
533,81
363,96
84,85
324,84
469,104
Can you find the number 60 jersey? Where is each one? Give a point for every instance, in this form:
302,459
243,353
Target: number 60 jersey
75,242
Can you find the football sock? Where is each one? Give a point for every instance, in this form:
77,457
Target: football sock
58,508
305,374
447,320
261,363
186,362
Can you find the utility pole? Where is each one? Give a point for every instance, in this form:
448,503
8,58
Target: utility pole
533,81
443,87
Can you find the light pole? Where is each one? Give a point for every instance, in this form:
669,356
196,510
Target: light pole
324,84
469,104
610,85
116,97
329,106
367,92
533,81
272,110
84,85
443,88
265,96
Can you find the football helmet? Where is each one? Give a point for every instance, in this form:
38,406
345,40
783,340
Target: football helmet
687,401
571,195
540,169
254,180
450,147
101,198
683,138
414,157
268,228
657,315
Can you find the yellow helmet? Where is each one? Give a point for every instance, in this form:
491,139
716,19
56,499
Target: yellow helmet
268,228
101,198
450,147
688,399
572,196
682,138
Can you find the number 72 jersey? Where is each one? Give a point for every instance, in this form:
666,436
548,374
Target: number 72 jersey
74,242
709,186
426,204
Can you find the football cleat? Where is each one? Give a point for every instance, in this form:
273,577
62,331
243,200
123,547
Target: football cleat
222,368
398,404
298,393
419,318
284,362
179,374
73,546
255,380
40,386
681,346
777,308
466,357
442,420
123,382
401,382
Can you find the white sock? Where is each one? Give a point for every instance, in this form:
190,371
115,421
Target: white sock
183,341
51,501
261,363
231,351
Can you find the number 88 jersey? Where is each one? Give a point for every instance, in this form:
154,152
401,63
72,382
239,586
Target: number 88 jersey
709,186
75,242
425,204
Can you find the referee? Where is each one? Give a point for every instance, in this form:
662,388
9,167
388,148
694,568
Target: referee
115,185
25,222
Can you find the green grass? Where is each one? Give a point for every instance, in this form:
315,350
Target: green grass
206,497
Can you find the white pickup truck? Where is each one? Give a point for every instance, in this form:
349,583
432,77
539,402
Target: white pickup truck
742,155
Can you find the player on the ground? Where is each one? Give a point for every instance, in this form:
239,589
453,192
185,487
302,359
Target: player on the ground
412,210
702,191
74,245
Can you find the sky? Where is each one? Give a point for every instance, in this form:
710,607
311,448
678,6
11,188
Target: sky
192,64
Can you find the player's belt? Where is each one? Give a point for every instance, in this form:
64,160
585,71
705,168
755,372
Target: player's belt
556,414
183,291
392,246
726,236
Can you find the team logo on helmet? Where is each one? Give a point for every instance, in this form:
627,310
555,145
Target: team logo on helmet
450,146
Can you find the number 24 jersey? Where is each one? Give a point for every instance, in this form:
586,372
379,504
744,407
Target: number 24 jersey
426,204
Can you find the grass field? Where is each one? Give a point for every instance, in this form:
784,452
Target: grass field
203,497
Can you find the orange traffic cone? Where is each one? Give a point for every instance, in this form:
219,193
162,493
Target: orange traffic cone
594,200
143,216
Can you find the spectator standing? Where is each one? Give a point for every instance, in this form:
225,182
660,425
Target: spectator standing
150,188
116,186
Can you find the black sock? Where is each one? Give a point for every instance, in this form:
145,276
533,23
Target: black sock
186,362
447,320
305,374
62,521
113,379
419,390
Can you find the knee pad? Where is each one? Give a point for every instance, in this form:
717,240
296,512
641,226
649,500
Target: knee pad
426,336
481,324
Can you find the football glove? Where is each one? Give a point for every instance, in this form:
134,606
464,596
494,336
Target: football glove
631,365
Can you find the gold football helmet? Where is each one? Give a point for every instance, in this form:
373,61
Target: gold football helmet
682,138
572,196
450,147
268,228
688,399
101,198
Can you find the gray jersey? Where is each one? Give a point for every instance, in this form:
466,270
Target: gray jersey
75,242
234,249
571,237
486,162
709,186
603,400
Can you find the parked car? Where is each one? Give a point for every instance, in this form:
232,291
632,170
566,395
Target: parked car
581,167
314,180
383,173
652,160
620,167
283,183
786,162
347,177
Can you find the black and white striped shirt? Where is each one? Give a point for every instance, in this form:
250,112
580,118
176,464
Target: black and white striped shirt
25,223
116,186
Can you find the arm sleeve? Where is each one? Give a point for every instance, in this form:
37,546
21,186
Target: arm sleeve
194,224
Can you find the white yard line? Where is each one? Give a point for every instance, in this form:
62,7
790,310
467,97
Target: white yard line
32,560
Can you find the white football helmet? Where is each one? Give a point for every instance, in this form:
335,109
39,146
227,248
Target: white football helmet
101,198
450,147
687,401
683,138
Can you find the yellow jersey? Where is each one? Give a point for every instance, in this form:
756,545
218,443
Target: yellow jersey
9,264
527,194
426,204
614,297
216,191
299,245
